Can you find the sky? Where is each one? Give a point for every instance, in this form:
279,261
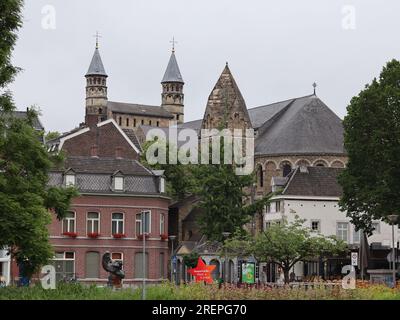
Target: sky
275,50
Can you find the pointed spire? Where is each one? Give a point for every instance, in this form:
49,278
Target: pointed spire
96,67
172,73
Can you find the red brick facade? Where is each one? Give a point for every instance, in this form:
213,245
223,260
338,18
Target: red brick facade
128,246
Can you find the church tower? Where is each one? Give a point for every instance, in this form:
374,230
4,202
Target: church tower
96,90
172,90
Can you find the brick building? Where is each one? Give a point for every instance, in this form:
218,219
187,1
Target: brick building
116,191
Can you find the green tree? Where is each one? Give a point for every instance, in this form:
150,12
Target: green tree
285,244
51,135
190,259
371,179
25,200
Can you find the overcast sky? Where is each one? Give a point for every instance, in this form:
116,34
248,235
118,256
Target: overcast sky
275,50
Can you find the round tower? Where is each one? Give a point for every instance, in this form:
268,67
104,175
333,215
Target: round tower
172,90
96,91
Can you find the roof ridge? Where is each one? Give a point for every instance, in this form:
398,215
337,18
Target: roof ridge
266,105
136,104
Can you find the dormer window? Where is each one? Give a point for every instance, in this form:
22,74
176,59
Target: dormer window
70,178
118,181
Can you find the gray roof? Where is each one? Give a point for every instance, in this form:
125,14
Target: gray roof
172,73
139,109
305,126
315,181
37,125
104,165
96,67
132,136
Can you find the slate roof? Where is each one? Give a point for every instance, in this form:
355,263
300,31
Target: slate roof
303,125
139,109
172,73
96,67
37,125
317,181
132,136
104,165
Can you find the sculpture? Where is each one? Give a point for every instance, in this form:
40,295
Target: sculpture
115,270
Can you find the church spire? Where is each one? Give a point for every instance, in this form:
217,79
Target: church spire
96,67
172,88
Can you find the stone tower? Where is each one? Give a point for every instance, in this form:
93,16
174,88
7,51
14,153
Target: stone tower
226,108
96,91
172,90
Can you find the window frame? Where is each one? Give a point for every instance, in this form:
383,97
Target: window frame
140,231
347,230
162,223
319,225
117,223
92,219
68,220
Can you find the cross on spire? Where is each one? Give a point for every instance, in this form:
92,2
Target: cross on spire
97,36
314,86
173,43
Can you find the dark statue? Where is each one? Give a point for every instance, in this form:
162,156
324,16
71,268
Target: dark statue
115,270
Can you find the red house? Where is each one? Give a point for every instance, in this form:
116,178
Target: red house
116,191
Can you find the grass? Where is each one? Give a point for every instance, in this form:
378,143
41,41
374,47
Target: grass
193,291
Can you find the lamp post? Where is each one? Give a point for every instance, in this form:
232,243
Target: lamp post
393,219
226,236
172,238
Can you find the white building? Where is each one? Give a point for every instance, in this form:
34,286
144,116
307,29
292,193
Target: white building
312,193
5,268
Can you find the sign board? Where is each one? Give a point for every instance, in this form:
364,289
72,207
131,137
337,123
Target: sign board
248,272
174,259
354,259
202,272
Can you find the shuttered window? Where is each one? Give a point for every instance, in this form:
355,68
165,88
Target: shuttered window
92,265
139,265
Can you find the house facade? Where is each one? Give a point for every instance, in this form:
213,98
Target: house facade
313,193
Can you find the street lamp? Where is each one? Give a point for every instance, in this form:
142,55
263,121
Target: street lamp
393,219
172,238
226,236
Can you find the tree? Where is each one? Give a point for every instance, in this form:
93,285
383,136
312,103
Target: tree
371,179
25,199
52,135
285,244
190,259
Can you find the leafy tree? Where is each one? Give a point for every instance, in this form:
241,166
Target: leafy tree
285,244
190,259
52,135
371,180
25,199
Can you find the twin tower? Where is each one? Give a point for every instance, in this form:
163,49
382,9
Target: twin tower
99,108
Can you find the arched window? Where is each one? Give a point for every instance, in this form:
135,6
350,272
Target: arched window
260,177
120,121
286,169
134,122
127,122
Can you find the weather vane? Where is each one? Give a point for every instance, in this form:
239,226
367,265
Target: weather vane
97,36
173,44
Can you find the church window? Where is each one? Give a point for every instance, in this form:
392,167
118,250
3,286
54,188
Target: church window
149,122
158,123
120,121
100,110
104,81
134,122
287,168
127,122
142,122
177,117
260,177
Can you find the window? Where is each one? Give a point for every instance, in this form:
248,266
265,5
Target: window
287,168
315,226
260,177
118,183
158,123
161,262
356,236
120,121
117,223
68,224
64,263
162,223
177,117
268,208
139,265
147,217
70,179
134,122
92,267
149,122
342,230
277,206
127,122
142,122
267,225
377,227
93,222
